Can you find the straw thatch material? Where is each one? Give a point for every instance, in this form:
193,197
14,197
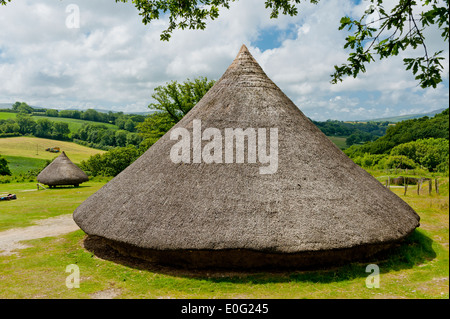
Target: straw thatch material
62,172
318,208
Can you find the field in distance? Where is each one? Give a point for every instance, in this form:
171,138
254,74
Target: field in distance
34,147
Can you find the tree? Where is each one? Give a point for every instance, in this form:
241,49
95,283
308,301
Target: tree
25,108
51,112
4,169
90,115
399,161
174,100
26,123
61,130
430,153
155,125
43,128
177,99
129,126
121,138
112,162
397,30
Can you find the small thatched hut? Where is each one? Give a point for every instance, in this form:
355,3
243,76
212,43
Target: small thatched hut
62,172
317,207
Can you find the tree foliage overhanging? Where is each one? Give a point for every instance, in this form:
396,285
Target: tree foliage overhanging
378,32
391,32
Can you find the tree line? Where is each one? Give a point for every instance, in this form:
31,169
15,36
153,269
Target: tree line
123,121
356,132
97,135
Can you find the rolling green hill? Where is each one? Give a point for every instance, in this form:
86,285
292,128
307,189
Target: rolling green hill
7,115
18,148
74,124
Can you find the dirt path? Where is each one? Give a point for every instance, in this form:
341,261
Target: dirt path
11,239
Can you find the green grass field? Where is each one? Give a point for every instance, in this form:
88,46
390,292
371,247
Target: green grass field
417,269
339,141
7,115
21,165
33,147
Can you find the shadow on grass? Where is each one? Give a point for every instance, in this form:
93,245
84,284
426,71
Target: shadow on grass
60,187
414,250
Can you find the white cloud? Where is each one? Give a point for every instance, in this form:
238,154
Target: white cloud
113,61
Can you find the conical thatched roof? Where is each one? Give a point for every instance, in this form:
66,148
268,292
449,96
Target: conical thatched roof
62,172
318,207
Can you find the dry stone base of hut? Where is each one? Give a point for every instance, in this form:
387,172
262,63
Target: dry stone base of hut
249,259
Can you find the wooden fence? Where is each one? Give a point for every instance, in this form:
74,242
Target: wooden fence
405,181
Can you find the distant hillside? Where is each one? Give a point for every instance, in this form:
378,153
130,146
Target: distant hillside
406,131
9,105
396,119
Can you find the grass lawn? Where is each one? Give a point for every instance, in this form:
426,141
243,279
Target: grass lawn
7,115
417,269
34,147
21,165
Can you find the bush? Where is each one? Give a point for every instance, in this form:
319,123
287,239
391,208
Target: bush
399,161
430,153
110,163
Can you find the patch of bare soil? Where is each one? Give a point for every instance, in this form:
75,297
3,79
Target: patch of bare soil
10,240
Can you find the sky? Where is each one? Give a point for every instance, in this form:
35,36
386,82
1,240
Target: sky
110,60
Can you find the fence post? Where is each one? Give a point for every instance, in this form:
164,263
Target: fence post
430,186
406,184
436,186
419,181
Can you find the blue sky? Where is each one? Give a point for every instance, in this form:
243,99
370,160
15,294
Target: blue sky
113,61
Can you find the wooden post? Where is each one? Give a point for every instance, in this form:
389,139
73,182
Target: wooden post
419,181
436,186
430,186
406,184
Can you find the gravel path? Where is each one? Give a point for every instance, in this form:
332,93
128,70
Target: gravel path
11,239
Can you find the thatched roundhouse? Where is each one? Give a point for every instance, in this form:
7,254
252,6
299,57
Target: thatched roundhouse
62,172
319,207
